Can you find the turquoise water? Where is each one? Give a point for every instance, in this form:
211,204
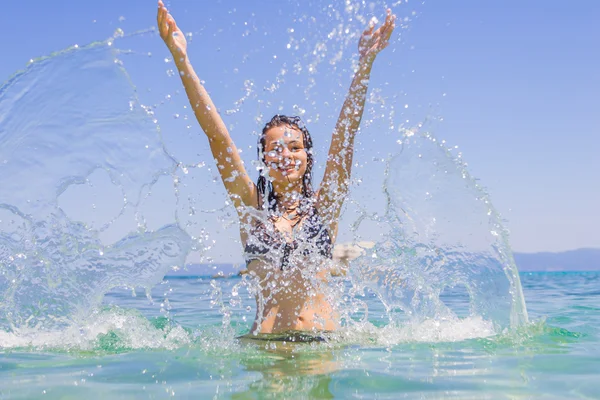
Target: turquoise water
183,348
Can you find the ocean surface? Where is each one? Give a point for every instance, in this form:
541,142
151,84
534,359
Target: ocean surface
183,344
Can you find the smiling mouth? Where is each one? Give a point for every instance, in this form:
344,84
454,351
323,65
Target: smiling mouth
285,168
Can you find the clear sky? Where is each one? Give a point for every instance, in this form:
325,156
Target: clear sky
514,83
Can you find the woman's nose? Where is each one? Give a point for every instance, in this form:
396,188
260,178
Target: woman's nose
285,152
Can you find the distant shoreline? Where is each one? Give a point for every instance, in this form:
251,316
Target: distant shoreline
236,276
580,260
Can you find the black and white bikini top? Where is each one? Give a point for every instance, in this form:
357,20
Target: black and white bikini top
310,237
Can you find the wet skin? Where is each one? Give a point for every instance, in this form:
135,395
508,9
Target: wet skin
294,299
298,300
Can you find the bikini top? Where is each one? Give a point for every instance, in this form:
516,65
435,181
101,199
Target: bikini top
266,242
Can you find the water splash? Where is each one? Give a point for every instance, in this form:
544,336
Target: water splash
97,162
442,233
73,134
108,330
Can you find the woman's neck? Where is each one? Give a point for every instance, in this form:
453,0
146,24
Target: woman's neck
289,197
286,202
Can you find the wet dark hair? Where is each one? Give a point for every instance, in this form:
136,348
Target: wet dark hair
264,186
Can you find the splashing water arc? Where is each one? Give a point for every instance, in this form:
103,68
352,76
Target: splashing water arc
443,232
75,170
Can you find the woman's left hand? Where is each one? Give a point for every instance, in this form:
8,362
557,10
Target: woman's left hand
373,41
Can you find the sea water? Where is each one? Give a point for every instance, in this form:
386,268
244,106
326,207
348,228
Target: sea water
101,198
136,350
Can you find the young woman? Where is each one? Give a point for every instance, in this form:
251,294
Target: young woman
287,228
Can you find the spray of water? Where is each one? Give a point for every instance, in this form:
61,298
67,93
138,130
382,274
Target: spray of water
93,145
94,197
442,234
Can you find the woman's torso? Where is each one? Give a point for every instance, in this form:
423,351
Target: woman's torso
291,264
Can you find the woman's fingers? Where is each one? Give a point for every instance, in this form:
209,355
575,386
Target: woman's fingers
171,24
166,23
369,30
162,13
387,28
387,32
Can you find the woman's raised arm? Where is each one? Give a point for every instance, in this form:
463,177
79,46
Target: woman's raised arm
335,183
241,189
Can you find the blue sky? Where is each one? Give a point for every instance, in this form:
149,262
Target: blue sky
514,84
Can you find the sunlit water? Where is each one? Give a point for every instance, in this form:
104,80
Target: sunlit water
100,193
135,350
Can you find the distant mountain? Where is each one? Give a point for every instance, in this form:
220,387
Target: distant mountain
572,260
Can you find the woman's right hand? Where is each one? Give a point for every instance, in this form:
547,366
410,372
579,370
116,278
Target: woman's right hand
170,33
374,40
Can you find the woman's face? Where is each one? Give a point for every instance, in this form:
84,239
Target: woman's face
285,154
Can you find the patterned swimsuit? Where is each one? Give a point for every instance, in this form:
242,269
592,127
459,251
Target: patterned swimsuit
267,243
